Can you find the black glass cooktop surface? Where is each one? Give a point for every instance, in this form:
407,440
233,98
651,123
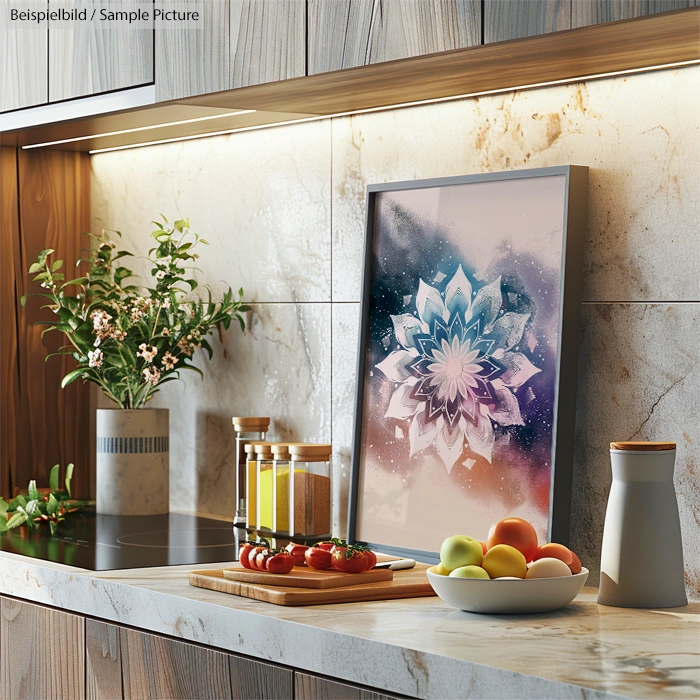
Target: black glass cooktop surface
103,542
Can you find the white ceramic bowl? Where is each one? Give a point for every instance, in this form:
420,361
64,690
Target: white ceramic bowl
533,595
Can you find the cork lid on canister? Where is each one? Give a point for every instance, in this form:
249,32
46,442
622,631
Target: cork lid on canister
305,452
250,424
280,450
249,447
642,446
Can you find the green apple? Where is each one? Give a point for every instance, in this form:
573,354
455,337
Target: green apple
469,572
460,550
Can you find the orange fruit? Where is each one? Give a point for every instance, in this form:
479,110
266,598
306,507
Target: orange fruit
554,551
515,532
575,565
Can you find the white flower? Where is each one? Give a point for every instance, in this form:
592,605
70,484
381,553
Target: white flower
185,346
166,332
97,341
169,361
166,303
95,358
152,375
160,274
148,352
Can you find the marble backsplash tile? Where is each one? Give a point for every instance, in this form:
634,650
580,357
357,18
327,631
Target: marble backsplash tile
639,374
284,212
345,328
280,367
261,199
633,132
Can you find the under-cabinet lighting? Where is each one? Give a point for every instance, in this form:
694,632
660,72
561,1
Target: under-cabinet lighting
562,81
140,128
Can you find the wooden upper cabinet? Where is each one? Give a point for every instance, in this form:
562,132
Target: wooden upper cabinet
585,12
237,43
23,59
90,57
349,33
42,655
512,19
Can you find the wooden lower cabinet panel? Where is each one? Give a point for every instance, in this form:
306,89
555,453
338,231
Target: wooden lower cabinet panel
103,675
313,688
42,656
255,679
125,664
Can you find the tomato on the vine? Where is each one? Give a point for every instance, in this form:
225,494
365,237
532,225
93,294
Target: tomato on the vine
280,562
297,551
253,554
243,553
318,558
261,558
371,559
350,559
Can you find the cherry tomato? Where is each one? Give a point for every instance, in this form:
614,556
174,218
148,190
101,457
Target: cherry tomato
318,558
371,559
261,558
253,554
297,551
243,553
351,560
280,563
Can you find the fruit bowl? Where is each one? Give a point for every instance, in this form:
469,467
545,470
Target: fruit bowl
507,596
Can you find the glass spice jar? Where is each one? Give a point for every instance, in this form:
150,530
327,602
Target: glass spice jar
247,428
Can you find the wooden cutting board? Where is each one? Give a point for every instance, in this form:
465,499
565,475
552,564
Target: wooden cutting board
411,583
304,577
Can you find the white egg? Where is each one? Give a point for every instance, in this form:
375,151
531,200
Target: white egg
548,568
507,578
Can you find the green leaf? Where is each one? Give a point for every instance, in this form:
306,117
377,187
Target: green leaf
3,508
52,505
71,377
53,477
16,520
31,491
193,284
23,300
69,476
35,267
57,265
41,258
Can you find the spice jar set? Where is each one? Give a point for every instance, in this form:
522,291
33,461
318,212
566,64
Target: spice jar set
283,489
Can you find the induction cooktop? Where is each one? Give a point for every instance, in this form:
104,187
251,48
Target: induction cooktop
103,542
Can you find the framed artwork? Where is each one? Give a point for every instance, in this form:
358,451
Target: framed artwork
466,385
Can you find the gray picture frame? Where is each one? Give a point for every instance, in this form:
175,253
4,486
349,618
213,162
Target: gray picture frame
574,233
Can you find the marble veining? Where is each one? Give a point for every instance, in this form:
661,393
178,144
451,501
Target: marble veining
284,211
418,647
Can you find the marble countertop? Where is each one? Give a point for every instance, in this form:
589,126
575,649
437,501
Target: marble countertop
418,647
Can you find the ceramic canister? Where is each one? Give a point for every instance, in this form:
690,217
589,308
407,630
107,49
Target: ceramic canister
132,461
642,556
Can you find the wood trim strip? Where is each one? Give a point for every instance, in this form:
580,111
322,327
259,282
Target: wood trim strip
9,303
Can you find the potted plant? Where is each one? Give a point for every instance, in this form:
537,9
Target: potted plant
130,340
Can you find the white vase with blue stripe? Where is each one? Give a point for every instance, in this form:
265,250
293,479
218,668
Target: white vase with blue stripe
133,461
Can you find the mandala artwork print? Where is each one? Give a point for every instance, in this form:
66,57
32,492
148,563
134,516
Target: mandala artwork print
456,370
461,359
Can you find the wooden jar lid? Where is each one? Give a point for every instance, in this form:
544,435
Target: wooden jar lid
245,424
249,447
643,446
302,452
